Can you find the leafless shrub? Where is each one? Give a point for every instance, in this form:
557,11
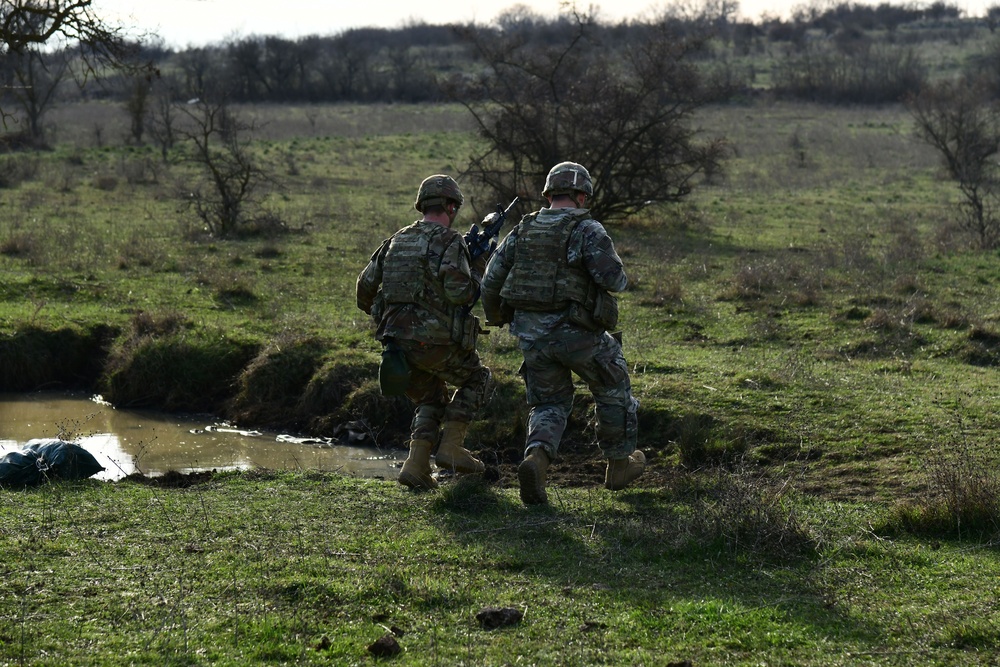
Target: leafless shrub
962,500
754,281
982,347
139,170
23,245
15,170
233,179
744,510
139,250
668,290
106,182
63,177
960,121
871,73
623,110
849,247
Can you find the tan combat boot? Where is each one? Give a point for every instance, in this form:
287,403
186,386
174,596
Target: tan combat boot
622,472
416,472
531,476
451,455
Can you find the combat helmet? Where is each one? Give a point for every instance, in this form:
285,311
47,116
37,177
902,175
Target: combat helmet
567,178
438,190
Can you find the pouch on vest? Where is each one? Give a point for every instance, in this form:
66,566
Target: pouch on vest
393,372
465,329
601,317
606,310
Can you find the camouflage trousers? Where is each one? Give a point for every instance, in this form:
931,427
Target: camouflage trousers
598,360
432,369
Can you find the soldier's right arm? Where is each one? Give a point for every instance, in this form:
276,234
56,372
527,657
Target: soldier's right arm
499,266
371,278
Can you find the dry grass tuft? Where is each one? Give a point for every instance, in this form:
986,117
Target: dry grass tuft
962,500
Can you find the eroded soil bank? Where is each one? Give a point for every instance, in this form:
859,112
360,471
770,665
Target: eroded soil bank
309,387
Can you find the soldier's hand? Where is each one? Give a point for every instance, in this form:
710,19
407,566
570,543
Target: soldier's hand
479,263
490,219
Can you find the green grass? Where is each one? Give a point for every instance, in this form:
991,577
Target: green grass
807,336
303,568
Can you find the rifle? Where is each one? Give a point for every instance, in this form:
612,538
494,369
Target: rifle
483,242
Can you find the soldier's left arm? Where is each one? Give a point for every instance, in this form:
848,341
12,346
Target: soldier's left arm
461,284
600,258
497,270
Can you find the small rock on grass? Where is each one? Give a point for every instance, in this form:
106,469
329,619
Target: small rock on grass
492,618
385,646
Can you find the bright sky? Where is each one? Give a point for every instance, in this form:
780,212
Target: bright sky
197,22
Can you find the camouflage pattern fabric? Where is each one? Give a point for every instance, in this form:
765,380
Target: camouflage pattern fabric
554,347
422,325
598,360
589,246
538,280
432,368
451,284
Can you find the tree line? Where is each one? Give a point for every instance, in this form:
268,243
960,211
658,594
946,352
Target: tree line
620,97
846,53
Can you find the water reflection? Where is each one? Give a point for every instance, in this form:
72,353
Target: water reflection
126,441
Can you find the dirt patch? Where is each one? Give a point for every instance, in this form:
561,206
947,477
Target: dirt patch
172,479
576,469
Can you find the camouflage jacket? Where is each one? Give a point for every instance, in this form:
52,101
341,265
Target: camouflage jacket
417,282
589,246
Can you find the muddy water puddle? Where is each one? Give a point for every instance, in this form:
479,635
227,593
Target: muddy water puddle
128,441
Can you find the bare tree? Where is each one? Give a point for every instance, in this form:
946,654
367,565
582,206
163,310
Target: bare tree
26,25
136,104
35,78
162,114
233,177
961,121
992,17
624,111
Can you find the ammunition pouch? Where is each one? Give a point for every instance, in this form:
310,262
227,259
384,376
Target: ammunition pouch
606,309
465,329
602,316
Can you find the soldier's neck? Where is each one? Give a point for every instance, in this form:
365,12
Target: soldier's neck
437,219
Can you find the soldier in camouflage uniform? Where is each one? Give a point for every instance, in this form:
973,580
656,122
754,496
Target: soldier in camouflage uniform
419,286
551,279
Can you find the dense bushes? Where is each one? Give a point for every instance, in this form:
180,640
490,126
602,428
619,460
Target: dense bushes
872,74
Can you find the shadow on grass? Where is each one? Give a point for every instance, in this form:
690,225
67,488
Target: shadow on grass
725,541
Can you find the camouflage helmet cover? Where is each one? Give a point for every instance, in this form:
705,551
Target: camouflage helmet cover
438,190
568,177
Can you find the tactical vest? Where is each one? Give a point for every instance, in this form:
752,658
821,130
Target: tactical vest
542,278
409,275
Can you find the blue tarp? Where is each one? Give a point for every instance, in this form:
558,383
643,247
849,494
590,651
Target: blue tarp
44,460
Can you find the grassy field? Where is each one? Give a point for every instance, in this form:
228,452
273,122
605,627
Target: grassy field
297,568
813,343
